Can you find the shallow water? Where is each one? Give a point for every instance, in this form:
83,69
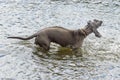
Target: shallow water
22,60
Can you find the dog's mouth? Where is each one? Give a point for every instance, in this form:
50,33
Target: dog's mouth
97,34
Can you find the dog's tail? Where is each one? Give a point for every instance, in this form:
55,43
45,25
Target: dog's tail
27,38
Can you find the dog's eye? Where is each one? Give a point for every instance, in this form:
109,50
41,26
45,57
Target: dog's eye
95,20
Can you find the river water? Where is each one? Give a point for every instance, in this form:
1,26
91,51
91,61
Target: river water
22,60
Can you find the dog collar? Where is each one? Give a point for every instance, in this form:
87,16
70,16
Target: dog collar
84,32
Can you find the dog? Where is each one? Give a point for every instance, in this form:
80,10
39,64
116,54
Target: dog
64,37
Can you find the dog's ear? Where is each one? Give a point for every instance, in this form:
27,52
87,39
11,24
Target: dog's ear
89,22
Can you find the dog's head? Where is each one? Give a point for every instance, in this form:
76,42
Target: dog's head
94,25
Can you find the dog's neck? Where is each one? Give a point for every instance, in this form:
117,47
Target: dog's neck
86,31
83,32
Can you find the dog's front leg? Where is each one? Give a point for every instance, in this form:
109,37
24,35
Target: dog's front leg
77,50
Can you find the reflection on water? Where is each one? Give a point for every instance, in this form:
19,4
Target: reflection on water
58,53
22,60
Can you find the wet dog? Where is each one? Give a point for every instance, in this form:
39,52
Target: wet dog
63,36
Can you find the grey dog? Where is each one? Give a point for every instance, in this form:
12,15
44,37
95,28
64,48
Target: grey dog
64,37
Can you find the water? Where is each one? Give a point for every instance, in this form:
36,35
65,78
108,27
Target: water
22,60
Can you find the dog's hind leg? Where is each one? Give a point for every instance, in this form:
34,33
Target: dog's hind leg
43,42
45,45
